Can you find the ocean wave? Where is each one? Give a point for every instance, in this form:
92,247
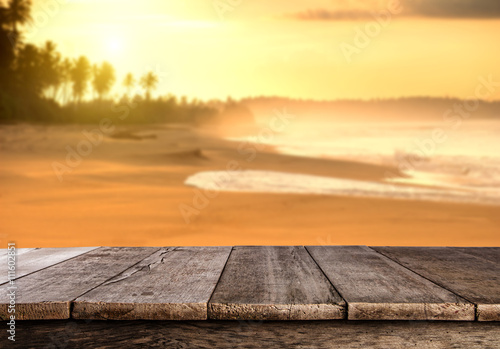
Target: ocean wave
255,181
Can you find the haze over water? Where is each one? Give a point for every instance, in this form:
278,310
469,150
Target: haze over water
469,154
463,166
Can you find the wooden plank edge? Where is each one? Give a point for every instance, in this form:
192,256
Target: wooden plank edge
219,311
138,311
37,311
488,312
411,311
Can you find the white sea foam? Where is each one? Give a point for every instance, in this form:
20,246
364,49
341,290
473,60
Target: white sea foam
289,183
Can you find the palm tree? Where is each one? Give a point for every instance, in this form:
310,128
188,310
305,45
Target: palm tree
4,16
149,82
6,47
52,75
65,69
104,78
28,68
129,83
80,75
19,12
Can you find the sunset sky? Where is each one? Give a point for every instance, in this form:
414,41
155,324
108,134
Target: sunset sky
208,49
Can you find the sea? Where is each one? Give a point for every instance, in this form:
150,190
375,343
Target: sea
434,162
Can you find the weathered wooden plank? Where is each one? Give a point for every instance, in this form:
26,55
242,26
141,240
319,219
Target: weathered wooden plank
172,284
274,283
377,288
473,278
490,253
19,251
47,294
33,260
255,334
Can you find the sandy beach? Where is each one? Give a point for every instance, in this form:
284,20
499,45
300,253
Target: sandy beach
128,190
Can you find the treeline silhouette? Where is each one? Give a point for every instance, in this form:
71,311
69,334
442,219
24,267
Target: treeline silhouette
38,84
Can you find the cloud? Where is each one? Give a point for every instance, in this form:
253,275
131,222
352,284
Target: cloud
326,15
455,8
477,9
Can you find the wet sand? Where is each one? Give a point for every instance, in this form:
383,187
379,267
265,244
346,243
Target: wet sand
129,191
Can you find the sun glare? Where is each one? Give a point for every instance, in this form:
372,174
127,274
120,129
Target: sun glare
114,45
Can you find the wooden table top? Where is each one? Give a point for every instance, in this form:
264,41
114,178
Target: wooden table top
253,283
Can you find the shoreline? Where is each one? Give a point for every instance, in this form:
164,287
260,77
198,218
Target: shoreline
128,192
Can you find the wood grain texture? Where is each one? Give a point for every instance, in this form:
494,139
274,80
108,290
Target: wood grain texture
19,251
377,288
255,334
28,262
473,278
274,283
47,294
172,284
489,253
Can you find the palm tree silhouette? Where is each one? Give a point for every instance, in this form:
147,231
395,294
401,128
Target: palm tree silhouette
104,78
80,75
149,82
51,72
19,12
6,46
129,83
28,68
65,69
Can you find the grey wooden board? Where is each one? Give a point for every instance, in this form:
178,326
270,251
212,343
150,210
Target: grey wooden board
41,258
255,334
377,288
274,283
5,258
473,278
172,284
490,253
19,251
47,294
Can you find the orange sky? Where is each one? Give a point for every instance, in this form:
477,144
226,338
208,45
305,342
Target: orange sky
286,48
